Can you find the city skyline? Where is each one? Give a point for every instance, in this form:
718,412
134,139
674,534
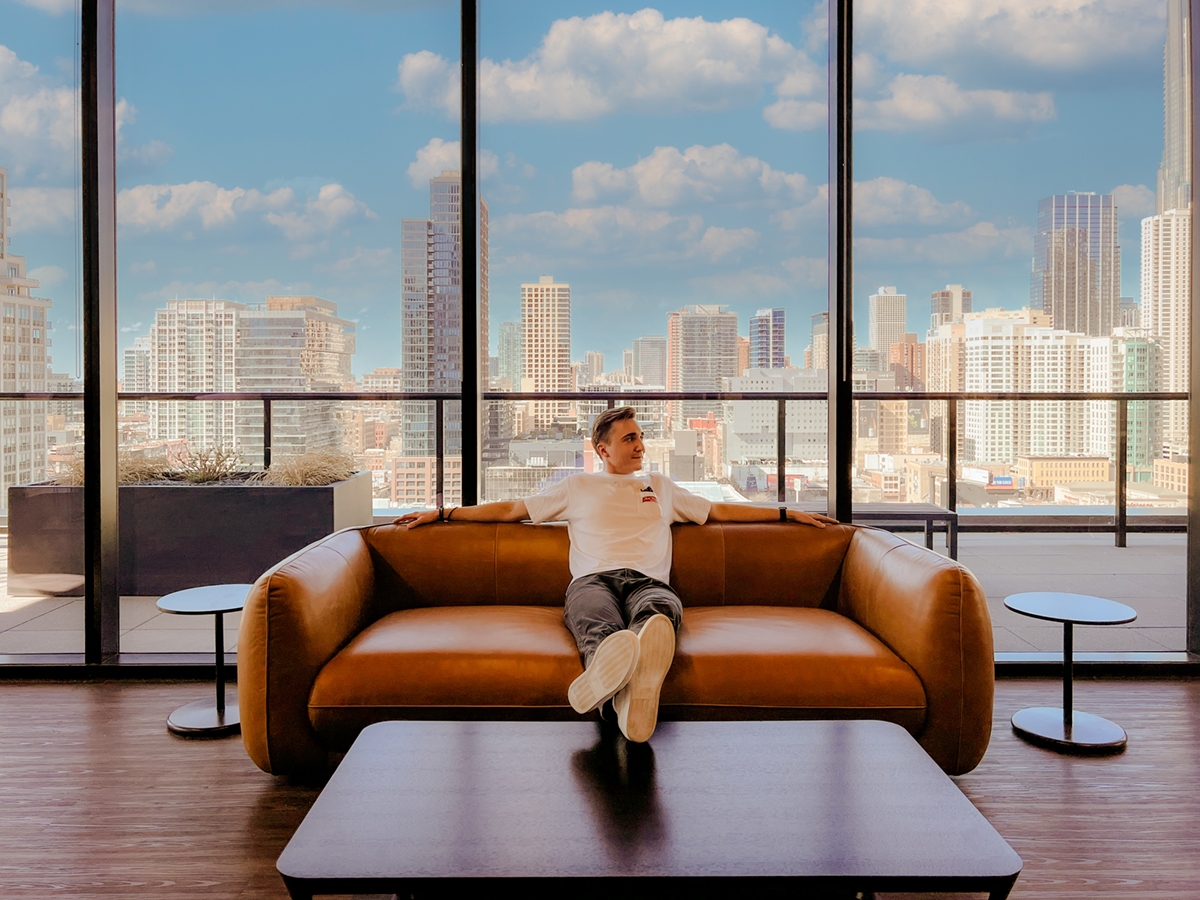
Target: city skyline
705,193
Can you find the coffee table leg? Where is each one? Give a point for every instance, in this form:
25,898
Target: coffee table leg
1068,676
220,640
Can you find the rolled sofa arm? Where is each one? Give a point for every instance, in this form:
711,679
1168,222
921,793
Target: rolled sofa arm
298,615
933,614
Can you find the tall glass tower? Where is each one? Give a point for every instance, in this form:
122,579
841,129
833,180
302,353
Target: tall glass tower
1174,174
1077,263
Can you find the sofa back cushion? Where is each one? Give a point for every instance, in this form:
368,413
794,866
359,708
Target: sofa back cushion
718,564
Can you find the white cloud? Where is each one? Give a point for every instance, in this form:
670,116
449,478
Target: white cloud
981,241
807,270
718,243
143,268
361,258
890,201
1134,201
333,206
749,283
162,207
136,326
49,276
240,291
605,230
38,123
41,209
930,101
446,156
669,177
797,115
1050,35
54,7
622,62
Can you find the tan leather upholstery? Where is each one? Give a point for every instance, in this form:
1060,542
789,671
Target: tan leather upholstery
465,619
934,614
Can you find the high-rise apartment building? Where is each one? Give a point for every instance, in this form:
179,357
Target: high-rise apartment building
820,341
1167,235
135,372
593,366
948,305
887,319
546,347
906,359
432,310
509,342
702,349
1128,360
24,364
767,339
1012,353
650,360
194,350
1165,314
1077,263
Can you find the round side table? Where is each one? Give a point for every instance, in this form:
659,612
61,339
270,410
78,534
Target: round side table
203,718
1066,729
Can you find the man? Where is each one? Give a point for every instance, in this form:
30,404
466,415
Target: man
620,607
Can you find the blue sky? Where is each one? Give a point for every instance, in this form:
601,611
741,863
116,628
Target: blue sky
651,156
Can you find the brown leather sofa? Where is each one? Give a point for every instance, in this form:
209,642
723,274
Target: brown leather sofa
464,620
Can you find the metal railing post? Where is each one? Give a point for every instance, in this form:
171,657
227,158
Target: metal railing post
266,433
781,449
1122,468
439,449
952,455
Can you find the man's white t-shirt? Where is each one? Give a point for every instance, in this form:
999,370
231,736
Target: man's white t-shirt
618,521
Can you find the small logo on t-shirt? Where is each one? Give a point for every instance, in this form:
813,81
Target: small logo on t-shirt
648,495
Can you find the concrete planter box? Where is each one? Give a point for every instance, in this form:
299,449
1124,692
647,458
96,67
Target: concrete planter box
176,536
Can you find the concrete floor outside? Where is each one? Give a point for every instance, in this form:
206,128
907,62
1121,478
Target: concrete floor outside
1149,575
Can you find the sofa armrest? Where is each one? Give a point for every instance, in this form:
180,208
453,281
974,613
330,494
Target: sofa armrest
933,614
298,615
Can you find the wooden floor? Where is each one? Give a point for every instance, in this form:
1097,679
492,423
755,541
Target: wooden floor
97,800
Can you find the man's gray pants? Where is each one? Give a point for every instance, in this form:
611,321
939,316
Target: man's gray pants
606,602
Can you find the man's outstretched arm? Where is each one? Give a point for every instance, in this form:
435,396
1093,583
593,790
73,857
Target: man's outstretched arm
744,512
506,511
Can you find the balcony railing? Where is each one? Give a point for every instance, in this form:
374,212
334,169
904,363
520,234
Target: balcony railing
1120,524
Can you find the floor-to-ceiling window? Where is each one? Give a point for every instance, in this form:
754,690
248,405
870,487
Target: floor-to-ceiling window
1022,216
40,316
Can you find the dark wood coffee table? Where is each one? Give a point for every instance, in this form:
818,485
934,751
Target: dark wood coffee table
554,809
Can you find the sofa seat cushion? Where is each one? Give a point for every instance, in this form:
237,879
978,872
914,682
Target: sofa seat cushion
788,658
473,656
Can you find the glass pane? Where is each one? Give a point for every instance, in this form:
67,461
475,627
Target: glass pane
288,218
41,445
655,185
1049,268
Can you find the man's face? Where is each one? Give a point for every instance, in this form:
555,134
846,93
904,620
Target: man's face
623,450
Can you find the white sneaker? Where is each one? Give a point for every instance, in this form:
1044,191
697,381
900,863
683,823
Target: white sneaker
610,670
637,703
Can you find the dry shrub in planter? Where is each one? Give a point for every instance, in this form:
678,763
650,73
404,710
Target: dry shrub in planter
317,467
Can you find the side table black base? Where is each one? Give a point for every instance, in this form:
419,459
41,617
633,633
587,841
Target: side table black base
201,719
1087,733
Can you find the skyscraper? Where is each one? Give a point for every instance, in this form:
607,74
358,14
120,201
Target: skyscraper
432,310
948,305
1167,235
1077,263
766,339
1174,174
888,318
650,360
24,367
593,366
546,346
820,340
702,348
510,355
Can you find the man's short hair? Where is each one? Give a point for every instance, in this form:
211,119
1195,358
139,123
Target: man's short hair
605,421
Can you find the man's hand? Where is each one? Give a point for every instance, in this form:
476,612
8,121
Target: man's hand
414,519
820,521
